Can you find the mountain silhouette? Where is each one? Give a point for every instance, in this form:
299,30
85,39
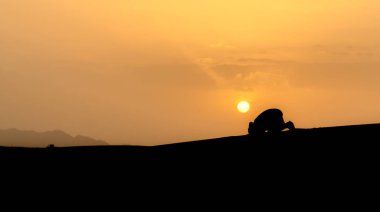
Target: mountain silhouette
20,138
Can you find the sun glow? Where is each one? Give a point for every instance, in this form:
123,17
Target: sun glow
243,107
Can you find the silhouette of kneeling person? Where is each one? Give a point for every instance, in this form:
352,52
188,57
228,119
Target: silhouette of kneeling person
269,122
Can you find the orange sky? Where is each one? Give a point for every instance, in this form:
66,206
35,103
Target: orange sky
160,71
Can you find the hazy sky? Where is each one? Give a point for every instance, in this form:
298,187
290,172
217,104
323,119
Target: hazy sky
161,71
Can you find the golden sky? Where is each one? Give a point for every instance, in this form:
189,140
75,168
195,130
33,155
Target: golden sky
161,71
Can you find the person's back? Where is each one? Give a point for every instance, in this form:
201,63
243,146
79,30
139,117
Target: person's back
270,121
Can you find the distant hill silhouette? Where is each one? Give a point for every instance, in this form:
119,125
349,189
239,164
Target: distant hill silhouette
20,138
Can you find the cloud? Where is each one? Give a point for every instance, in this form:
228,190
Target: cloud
338,66
245,73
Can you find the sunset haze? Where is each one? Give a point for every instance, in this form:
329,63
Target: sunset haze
148,72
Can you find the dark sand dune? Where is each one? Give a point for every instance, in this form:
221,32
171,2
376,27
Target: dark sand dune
316,145
332,162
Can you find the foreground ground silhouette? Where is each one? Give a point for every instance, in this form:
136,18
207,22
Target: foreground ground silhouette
309,162
346,145
304,166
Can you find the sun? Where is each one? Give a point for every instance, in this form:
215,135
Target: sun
243,107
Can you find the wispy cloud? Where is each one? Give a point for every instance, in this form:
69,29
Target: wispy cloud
244,72
322,66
